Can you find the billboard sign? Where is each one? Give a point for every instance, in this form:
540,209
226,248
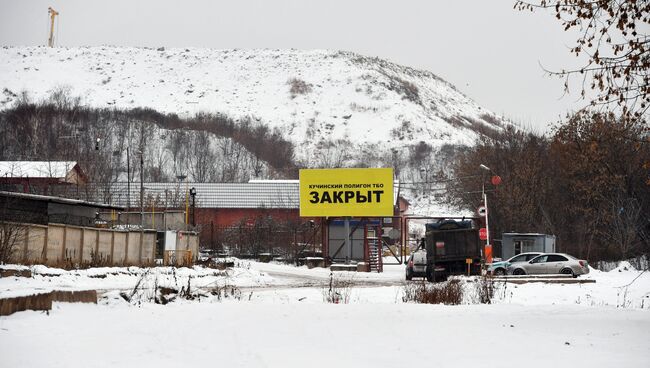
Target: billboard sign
346,192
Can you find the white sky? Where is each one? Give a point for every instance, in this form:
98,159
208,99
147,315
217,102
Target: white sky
487,49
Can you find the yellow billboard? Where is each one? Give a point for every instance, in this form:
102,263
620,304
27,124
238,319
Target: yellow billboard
346,192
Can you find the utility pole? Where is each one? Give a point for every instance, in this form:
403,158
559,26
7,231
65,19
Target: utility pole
141,190
53,13
128,179
496,180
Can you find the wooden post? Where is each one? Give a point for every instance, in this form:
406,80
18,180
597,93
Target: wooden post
65,235
26,247
126,247
141,242
97,243
44,252
112,247
81,248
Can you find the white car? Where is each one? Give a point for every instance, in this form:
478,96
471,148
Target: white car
499,268
416,265
551,263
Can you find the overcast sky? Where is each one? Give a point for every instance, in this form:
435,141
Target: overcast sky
490,51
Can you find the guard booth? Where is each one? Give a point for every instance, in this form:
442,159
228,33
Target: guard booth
516,243
370,240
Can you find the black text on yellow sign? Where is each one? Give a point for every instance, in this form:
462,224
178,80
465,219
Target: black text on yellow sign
346,192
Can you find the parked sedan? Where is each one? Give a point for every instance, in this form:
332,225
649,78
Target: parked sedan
499,268
551,263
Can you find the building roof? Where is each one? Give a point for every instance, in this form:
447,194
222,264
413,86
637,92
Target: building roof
259,194
271,194
527,234
36,169
52,199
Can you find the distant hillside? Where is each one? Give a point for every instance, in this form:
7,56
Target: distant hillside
313,96
337,108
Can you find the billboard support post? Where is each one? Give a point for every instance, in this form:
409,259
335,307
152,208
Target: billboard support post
348,245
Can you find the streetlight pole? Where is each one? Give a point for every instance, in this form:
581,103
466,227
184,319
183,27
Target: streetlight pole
496,180
487,212
193,195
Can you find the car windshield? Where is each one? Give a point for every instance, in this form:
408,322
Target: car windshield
519,258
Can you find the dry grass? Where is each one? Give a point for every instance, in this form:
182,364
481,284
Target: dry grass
448,292
298,87
338,290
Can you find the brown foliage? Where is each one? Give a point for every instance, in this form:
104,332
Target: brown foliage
613,34
448,293
585,184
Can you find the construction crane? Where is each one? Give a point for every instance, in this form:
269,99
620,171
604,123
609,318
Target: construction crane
53,13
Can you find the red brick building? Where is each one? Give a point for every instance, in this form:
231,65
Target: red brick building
40,177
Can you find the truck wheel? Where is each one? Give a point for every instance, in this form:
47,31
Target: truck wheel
409,276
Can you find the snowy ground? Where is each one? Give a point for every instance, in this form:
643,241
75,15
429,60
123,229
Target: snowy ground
279,318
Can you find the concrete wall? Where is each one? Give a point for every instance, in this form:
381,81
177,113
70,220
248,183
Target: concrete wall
161,221
56,243
89,237
73,243
119,247
105,245
36,239
133,248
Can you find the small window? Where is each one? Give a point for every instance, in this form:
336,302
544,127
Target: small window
531,256
540,259
556,258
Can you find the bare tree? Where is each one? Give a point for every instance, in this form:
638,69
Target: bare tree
626,229
12,236
613,34
202,159
12,233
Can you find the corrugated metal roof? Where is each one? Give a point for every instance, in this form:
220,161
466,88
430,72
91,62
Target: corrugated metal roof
267,194
282,194
36,169
37,197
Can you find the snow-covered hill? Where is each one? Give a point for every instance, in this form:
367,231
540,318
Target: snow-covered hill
313,96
